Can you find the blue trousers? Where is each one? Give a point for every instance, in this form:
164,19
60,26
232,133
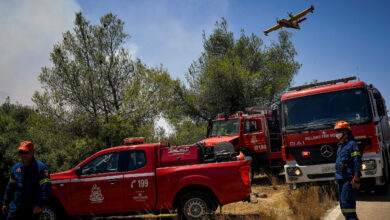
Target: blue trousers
21,214
347,196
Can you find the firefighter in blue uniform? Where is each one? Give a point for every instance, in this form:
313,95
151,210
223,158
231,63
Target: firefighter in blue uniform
29,186
348,173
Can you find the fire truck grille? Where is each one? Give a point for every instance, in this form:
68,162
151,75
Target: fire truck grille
321,153
322,175
315,156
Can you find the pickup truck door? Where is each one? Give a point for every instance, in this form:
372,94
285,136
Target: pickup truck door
99,189
139,180
255,135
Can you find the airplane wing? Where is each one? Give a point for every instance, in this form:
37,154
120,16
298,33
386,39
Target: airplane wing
274,28
300,15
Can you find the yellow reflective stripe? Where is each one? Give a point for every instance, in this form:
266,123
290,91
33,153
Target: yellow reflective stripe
12,180
348,210
45,180
355,153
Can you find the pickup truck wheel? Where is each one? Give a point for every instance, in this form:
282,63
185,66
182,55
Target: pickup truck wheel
48,213
196,205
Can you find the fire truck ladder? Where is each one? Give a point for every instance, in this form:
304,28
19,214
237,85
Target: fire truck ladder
275,142
313,85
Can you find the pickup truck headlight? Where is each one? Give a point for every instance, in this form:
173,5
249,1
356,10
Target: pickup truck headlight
369,165
294,171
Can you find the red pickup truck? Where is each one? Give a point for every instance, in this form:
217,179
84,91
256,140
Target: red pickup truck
149,178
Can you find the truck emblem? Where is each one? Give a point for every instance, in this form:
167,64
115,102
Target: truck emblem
326,151
254,140
96,195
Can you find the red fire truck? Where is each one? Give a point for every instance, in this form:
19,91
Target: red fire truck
149,178
255,133
308,114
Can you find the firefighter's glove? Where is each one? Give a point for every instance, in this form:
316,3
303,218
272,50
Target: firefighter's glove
4,210
355,182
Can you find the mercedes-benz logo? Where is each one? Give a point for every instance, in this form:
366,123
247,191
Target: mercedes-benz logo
326,151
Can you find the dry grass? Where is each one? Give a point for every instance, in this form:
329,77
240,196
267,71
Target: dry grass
305,203
272,207
310,203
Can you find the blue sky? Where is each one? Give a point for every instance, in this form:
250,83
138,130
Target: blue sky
340,39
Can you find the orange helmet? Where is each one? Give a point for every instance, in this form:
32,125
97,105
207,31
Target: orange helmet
340,125
26,146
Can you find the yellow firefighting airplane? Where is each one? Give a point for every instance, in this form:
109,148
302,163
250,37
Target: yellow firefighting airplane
292,22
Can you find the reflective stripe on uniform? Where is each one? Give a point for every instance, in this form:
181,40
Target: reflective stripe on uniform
12,180
348,210
44,180
356,153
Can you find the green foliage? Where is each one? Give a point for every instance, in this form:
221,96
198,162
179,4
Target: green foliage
90,70
13,123
233,74
187,132
95,95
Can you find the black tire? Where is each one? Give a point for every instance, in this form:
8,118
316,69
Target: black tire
49,212
196,205
252,173
53,211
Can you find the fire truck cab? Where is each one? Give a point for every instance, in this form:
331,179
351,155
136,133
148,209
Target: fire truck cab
308,114
255,133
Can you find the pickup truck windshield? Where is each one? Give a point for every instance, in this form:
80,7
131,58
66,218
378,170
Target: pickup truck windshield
225,127
324,110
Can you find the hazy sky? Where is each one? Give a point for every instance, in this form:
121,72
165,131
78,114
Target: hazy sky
340,39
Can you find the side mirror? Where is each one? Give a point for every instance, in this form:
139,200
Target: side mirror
78,171
380,107
209,127
376,120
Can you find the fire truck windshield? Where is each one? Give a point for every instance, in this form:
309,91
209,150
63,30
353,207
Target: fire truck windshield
324,110
225,127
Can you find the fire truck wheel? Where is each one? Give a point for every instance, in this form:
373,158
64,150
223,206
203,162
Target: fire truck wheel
196,205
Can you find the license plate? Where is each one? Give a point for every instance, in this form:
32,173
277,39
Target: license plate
328,169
